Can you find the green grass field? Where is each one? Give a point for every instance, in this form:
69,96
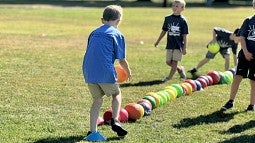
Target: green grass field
44,99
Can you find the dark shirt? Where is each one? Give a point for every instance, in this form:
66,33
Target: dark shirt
176,26
222,37
247,30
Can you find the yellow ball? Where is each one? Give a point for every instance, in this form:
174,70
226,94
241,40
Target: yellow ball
157,98
214,47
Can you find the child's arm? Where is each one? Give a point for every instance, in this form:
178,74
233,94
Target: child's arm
124,64
247,54
214,37
184,48
162,34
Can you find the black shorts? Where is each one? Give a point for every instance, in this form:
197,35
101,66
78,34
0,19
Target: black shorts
246,69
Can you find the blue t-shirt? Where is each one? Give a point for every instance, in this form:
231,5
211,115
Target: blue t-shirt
222,37
105,45
247,30
176,26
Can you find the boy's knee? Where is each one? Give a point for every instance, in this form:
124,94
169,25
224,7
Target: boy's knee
169,63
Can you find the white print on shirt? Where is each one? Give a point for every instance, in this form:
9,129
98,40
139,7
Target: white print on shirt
251,34
174,30
223,44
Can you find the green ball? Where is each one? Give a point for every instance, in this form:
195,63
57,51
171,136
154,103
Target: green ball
214,47
179,89
152,101
222,78
165,93
163,98
230,74
227,79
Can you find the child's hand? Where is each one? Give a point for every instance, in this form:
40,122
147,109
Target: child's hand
248,56
213,41
184,51
129,77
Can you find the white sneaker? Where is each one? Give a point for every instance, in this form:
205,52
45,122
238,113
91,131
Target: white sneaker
165,79
182,73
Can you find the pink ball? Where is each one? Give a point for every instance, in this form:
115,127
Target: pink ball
123,115
100,121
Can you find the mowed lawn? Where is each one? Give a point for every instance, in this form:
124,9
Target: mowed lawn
44,98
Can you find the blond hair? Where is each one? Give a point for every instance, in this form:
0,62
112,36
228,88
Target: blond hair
181,2
112,12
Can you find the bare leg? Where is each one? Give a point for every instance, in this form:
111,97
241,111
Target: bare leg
227,63
173,69
235,86
115,123
235,60
116,104
252,92
94,113
202,62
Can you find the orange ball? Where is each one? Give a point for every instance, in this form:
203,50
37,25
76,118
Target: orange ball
135,111
187,88
121,74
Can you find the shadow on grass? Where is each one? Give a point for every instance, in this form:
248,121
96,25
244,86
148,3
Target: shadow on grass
240,128
100,3
241,139
142,83
72,139
215,117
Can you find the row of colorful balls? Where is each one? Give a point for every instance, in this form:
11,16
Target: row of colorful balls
152,100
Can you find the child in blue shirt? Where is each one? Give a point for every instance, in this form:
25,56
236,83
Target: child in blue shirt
105,45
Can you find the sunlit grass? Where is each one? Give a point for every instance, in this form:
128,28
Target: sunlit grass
44,98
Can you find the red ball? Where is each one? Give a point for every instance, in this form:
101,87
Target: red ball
107,116
121,74
209,79
205,78
123,115
203,82
215,76
135,111
192,83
